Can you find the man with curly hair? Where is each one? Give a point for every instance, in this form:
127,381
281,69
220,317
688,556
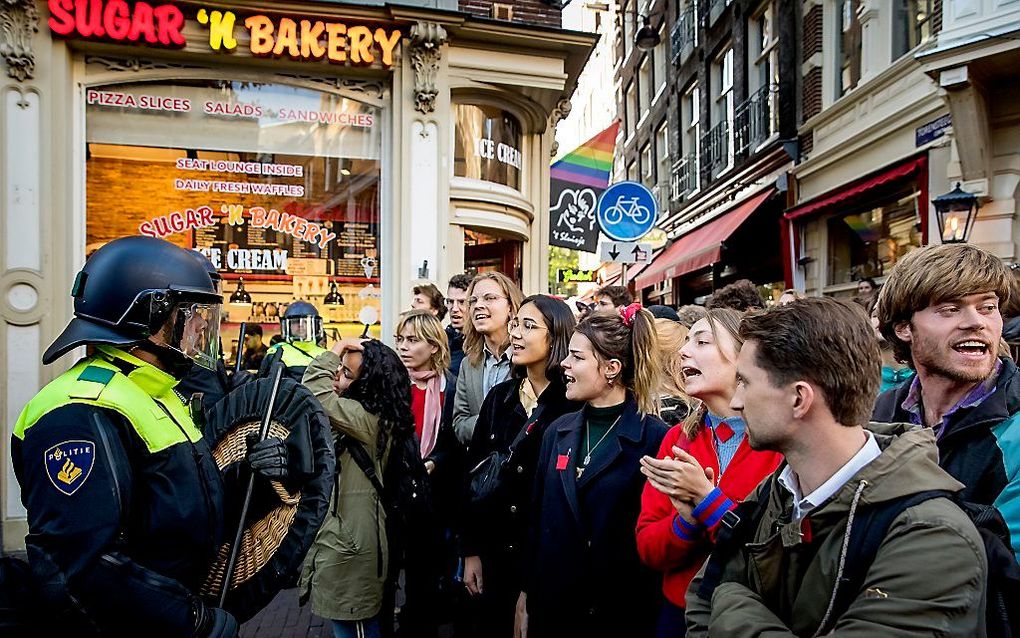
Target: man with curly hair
742,295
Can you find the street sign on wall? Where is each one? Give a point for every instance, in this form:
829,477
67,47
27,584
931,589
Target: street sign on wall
626,211
625,252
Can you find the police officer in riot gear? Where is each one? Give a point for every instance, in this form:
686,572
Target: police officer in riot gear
301,329
210,385
125,502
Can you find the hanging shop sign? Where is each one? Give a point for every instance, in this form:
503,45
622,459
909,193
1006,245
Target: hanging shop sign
487,145
163,25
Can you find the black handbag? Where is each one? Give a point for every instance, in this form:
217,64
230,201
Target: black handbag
484,478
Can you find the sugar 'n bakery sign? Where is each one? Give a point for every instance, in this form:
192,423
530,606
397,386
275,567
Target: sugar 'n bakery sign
163,25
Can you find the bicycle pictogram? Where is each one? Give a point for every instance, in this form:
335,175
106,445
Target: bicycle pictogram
628,206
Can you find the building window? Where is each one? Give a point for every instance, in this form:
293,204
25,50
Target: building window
647,166
757,118
719,139
684,176
662,165
660,62
632,172
645,87
629,17
868,243
221,166
632,108
911,25
848,46
487,145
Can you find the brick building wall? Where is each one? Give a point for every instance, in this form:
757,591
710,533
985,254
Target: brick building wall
534,12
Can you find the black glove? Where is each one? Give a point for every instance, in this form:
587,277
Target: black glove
212,622
268,458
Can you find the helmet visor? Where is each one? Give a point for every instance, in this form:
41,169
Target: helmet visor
301,328
198,328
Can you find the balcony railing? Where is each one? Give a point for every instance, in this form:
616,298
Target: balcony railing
682,36
715,147
755,120
683,177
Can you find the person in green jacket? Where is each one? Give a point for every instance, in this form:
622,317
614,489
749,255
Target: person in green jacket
928,575
364,388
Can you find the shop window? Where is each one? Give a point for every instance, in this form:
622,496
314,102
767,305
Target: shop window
869,242
911,25
274,183
848,45
484,252
487,145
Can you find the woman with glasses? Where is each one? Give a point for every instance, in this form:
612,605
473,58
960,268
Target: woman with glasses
514,416
421,343
583,573
493,298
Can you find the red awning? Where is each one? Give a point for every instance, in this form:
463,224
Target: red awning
701,247
859,187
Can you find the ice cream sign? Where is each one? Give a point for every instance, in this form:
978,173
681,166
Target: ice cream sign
163,25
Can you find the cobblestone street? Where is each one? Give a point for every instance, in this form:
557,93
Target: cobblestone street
284,618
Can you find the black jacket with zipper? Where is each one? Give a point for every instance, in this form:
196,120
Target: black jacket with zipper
501,525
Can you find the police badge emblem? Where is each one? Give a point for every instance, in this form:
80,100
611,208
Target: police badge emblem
69,464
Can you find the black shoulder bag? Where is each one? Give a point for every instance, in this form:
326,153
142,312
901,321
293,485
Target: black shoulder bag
484,478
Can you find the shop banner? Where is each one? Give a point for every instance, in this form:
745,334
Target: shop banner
577,180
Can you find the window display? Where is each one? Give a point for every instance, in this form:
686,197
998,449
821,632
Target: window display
278,184
868,243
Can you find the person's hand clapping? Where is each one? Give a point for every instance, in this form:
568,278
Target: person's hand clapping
681,478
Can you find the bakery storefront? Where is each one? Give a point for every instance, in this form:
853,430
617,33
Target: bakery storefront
332,153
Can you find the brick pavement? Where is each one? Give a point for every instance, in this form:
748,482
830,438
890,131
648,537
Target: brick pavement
283,618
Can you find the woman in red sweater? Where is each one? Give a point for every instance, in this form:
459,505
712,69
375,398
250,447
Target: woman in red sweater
703,468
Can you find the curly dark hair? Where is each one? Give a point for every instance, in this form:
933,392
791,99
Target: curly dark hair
742,295
383,388
460,282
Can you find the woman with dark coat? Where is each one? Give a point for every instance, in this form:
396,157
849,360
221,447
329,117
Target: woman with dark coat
495,531
584,575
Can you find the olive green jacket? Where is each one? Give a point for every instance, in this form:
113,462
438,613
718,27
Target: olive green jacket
345,569
927,579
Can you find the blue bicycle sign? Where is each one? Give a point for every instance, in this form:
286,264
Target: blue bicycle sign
626,211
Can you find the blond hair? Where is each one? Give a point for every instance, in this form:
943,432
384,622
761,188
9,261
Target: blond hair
934,274
426,327
474,342
726,319
671,336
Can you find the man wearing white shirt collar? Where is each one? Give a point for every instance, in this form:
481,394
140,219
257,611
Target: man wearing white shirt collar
807,375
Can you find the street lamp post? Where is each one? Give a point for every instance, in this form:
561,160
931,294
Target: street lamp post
956,212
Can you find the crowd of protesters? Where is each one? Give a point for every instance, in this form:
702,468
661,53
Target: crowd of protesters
811,468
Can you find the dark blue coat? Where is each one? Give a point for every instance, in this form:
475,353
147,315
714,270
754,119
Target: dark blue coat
584,574
979,446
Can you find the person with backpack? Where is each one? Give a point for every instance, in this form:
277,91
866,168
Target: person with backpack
507,437
364,388
583,575
856,534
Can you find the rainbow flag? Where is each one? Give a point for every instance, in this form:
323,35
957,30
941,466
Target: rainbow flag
590,163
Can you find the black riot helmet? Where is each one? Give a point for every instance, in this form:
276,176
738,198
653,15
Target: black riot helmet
131,289
209,268
301,322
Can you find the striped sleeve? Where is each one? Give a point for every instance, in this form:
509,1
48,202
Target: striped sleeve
712,508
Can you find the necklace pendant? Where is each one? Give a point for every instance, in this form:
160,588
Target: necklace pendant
580,471
587,459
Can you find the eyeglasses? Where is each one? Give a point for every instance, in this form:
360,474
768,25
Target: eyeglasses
488,299
528,325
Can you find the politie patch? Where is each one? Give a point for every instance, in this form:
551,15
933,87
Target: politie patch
69,464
